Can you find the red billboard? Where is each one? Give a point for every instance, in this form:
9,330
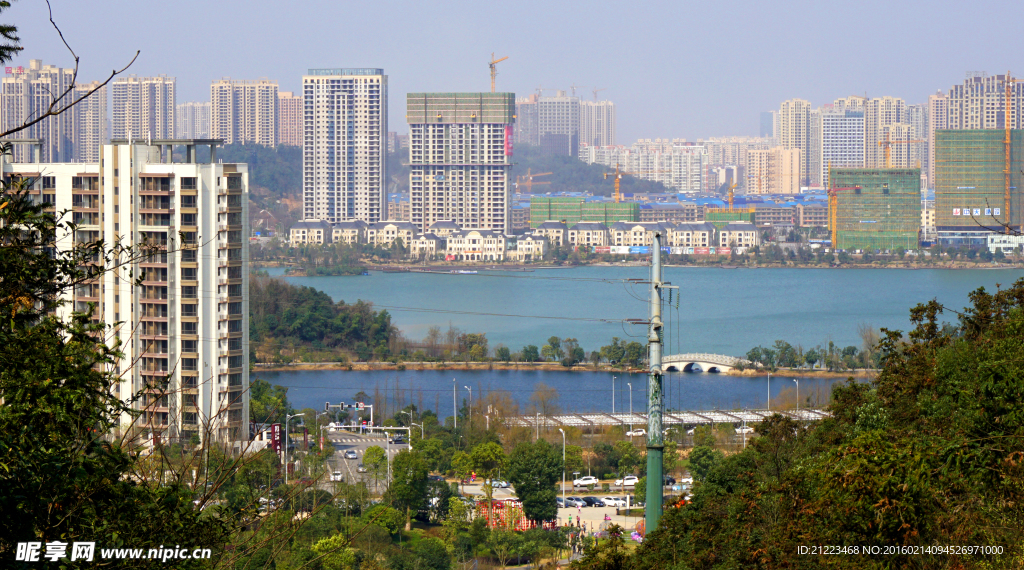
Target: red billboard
275,438
602,249
724,251
701,251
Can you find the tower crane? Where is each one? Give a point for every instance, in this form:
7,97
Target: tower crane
833,207
887,143
618,177
494,69
574,87
596,91
731,188
528,180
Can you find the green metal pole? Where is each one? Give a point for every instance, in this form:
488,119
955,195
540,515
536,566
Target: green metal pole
655,397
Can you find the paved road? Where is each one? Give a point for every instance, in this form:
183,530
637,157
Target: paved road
344,441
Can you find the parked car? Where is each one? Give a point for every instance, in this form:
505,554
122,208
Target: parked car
585,480
336,476
614,501
593,502
669,480
435,478
690,431
627,481
574,502
351,454
638,432
745,430
396,440
558,501
499,484
360,468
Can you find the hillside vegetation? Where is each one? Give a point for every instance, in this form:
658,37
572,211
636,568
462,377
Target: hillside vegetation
571,175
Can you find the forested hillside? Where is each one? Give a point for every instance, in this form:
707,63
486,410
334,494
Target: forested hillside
571,175
289,323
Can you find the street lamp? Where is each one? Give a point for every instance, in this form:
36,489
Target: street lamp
421,428
563,466
614,378
455,406
769,391
321,430
630,384
797,393
287,419
470,406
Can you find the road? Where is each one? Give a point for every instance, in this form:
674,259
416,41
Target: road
344,441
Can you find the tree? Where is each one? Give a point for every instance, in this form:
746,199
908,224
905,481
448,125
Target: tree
534,469
629,457
553,349
530,353
487,460
573,459
544,399
640,490
376,462
335,554
408,489
502,353
702,460
504,544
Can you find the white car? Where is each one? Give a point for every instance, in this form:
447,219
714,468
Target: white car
628,481
690,431
638,432
336,476
584,481
744,430
614,501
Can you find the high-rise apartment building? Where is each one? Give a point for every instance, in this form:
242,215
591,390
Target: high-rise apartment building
774,171
733,152
938,119
187,322
879,114
597,123
842,139
794,131
289,119
767,129
143,108
979,103
558,124
192,120
75,135
345,138
673,162
814,137
244,112
527,128
460,159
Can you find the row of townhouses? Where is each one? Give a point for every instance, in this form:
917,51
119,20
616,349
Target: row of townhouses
446,239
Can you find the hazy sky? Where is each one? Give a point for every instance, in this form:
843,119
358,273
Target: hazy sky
673,69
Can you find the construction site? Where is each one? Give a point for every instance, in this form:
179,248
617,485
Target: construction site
573,210
977,182
875,208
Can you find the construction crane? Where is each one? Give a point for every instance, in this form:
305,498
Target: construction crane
731,188
833,207
574,87
887,143
1007,125
596,91
494,68
528,180
618,177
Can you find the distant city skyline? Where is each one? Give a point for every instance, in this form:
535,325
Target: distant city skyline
751,70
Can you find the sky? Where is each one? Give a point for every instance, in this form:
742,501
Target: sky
676,69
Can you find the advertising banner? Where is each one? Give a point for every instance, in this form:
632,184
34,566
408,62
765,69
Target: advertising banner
508,140
688,250
619,249
642,250
724,251
602,249
275,438
701,251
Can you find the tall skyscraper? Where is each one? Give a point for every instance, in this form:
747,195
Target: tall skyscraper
794,131
979,103
880,113
143,107
527,128
71,136
345,125
938,119
187,323
767,124
814,138
244,112
597,123
461,159
192,120
774,171
558,124
673,162
289,119
842,139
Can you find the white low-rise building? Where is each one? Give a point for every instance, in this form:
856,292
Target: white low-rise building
310,232
476,245
588,234
351,232
692,235
385,233
425,246
529,248
556,232
636,234
738,234
1008,244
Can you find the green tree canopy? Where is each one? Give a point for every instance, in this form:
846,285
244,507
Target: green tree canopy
534,469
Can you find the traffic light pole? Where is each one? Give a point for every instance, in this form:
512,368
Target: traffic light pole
655,397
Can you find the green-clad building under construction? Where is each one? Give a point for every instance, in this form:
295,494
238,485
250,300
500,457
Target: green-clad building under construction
877,208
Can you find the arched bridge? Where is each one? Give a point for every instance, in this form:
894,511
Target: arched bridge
706,362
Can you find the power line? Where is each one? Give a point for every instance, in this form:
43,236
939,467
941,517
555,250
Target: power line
454,312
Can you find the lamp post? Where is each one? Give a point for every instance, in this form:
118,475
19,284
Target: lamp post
769,391
797,393
614,378
630,384
421,429
470,406
455,406
287,419
563,466
321,429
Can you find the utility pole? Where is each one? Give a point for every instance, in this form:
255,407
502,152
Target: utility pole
655,397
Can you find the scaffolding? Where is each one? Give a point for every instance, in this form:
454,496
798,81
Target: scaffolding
882,209
575,210
970,180
721,217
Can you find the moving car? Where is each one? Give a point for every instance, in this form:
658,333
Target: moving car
627,481
360,468
351,454
498,484
584,481
593,502
396,440
614,501
638,432
336,476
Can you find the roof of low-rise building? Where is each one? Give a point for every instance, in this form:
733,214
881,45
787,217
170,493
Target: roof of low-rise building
350,225
444,225
311,225
551,225
589,227
739,227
